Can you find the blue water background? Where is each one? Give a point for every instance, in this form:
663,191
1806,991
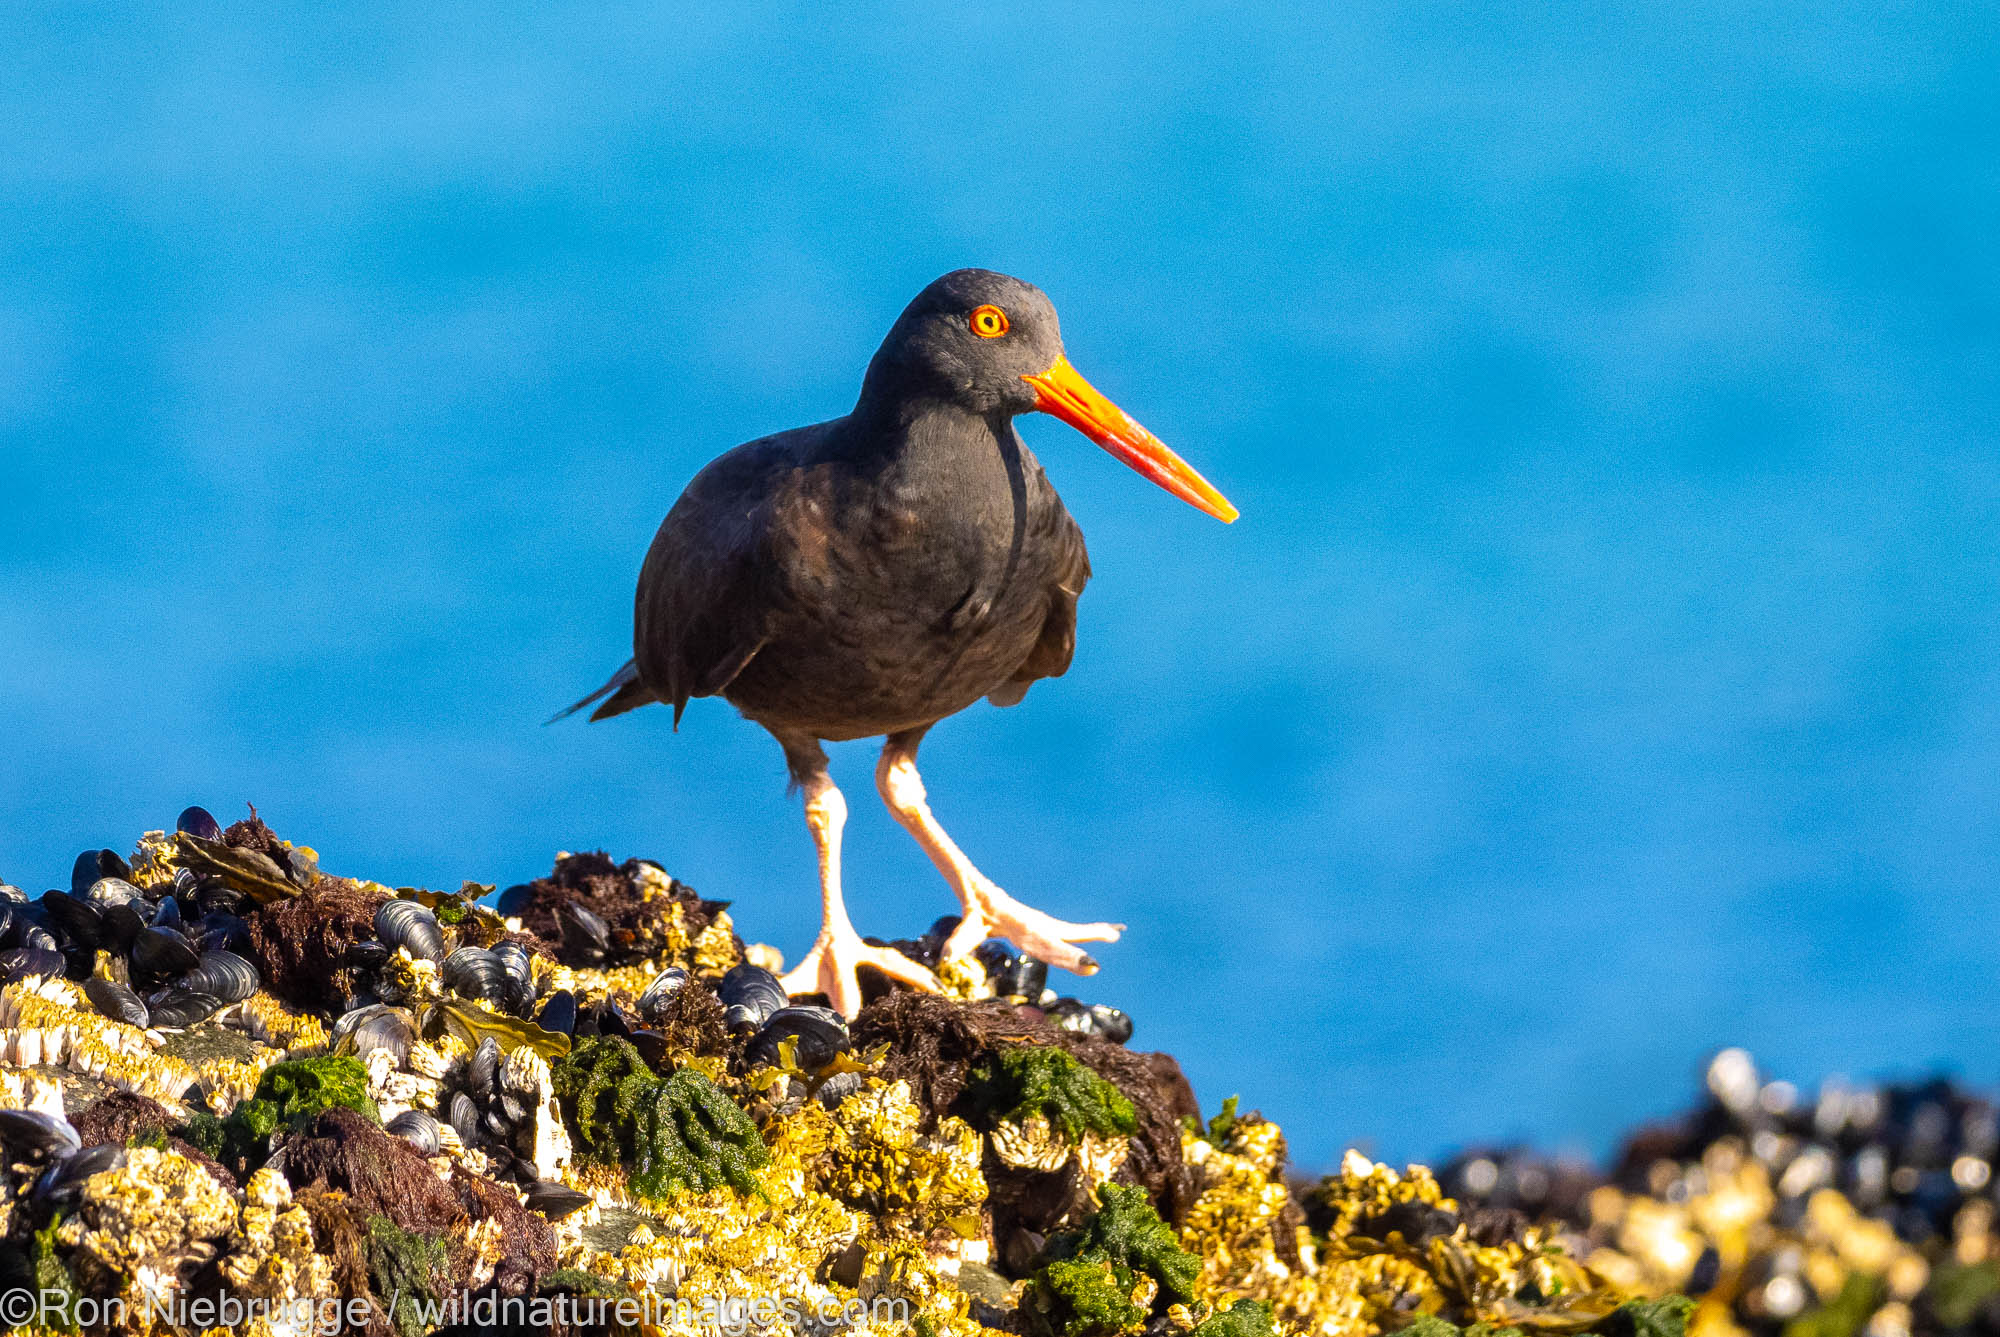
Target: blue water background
1606,667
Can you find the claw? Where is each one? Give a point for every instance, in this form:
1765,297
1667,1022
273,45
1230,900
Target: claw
998,915
830,968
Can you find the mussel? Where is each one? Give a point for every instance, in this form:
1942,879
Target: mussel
376,1027
1099,1019
62,1182
109,891
653,1002
76,918
817,1033
555,1201
482,1070
584,934
558,1013
223,975
19,963
417,1128
1013,974
94,864
520,972
124,923
750,994
164,952
464,1117
33,1135
474,972
117,1002
199,822
406,924
181,1008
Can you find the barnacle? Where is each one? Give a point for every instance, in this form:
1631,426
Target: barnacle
146,1218
1240,1198
880,1160
271,1254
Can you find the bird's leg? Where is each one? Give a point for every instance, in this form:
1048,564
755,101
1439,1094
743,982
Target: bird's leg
989,911
829,965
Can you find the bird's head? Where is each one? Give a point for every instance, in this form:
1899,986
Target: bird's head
991,344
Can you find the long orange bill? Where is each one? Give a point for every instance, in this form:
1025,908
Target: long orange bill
1063,392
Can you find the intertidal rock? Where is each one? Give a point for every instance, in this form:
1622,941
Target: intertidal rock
225,1071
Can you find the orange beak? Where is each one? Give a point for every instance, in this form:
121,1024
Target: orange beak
1063,392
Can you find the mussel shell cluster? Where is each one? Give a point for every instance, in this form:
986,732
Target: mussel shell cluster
177,951
1915,1155
49,1147
500,978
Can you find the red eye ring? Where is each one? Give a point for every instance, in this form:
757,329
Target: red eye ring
988,322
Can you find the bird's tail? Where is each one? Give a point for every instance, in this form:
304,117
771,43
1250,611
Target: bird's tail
625,691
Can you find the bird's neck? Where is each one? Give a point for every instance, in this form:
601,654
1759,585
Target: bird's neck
920,429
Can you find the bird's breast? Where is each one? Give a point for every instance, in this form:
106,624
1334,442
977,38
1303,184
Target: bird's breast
898,598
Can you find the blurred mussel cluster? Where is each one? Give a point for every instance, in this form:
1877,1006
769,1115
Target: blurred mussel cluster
1857,1209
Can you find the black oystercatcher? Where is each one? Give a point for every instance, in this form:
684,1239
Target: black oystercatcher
873,574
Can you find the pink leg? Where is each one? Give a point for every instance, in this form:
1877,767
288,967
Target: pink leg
829,965
989,911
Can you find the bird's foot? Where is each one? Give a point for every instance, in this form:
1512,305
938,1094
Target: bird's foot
992,913
829,968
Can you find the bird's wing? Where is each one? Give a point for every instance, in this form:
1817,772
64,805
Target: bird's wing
1055,647
701,609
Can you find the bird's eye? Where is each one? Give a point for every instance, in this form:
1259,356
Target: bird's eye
989,322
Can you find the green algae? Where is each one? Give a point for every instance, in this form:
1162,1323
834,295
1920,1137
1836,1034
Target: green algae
673,1133
1958,1291
1245,1318
1128,1231
1663,1317
287,1095
410,1270
1216,1132
303,1087
1019,1081
1084,1297
1085,1285
54,1284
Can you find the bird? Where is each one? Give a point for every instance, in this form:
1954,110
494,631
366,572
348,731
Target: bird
869,576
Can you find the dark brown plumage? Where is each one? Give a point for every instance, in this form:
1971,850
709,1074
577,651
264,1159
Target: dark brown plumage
873,574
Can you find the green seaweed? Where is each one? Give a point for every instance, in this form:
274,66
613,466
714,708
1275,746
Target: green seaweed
405,1269
54,1285
672,1133
1958,1291
1245,1318
1084,1286
1216,1132
1019,1081
241,1143
589,1286
303,1087
1843,1316
287,1095
1084,1297
1429,1325
1128,1231
1663,1317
